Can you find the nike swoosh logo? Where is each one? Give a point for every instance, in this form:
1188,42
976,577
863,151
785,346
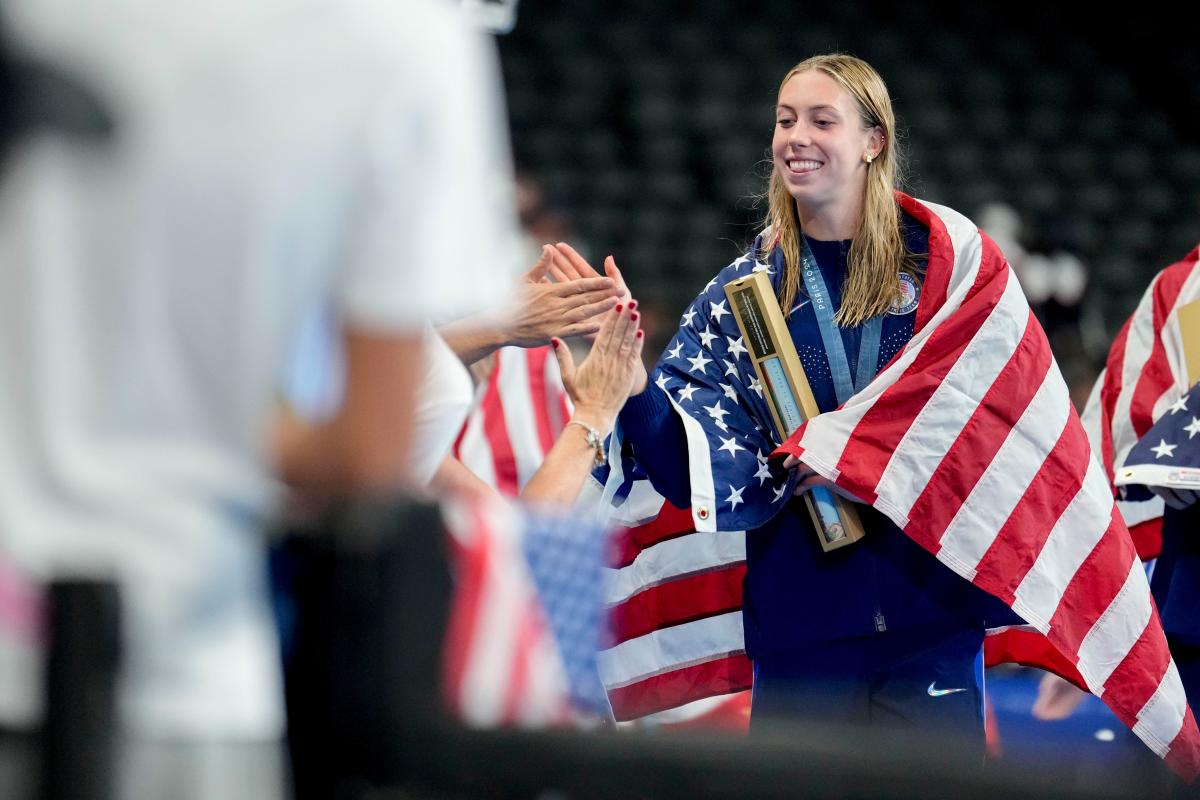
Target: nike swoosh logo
932,692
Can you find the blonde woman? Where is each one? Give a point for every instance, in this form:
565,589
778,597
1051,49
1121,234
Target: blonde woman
878,632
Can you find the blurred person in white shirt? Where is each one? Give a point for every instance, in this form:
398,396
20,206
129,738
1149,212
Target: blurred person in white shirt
265,156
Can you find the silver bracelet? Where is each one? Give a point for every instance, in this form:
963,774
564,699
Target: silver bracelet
594,441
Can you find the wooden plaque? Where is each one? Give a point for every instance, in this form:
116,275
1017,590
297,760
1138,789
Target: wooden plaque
788,395
1189,330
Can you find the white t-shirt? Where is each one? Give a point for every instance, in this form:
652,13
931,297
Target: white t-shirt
267,155
314,381
441,408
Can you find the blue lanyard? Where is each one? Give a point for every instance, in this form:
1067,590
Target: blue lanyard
835,348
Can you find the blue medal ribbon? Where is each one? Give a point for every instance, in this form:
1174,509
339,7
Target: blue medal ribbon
835,348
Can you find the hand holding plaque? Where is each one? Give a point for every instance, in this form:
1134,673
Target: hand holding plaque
788,395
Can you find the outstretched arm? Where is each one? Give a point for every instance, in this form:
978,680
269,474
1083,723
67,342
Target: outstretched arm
544,310
598,387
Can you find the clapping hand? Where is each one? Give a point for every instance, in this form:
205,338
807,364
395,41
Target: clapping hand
568,266
603,381
560,308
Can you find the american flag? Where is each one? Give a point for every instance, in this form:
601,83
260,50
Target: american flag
526,617
966,440
675,599
686,577
518,413
1168,455
527,612
1144,375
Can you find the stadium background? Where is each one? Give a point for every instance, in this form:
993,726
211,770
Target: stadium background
647,128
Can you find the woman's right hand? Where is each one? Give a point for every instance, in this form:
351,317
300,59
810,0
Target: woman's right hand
809,480
563,308
602,383
567,265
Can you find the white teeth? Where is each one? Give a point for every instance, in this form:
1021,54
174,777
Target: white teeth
803,165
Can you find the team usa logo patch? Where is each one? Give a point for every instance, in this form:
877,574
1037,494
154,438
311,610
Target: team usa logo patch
906,303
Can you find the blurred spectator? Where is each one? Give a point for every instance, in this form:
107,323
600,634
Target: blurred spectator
1055,281
541,220
266,157
1053,277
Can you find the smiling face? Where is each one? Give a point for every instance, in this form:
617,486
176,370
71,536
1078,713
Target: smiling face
820,149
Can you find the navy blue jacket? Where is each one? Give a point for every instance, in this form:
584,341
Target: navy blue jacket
1175,582
794,593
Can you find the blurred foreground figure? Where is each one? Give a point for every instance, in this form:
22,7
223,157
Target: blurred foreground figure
264,156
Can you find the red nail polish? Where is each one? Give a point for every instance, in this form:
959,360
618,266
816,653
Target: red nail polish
634,315
639,333
619,306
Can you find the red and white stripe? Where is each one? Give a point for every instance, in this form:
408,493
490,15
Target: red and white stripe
677,652
501,666
715,693
726,712
968,442
518,414
1145,373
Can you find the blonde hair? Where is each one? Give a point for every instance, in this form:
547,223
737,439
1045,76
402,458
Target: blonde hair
877,254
